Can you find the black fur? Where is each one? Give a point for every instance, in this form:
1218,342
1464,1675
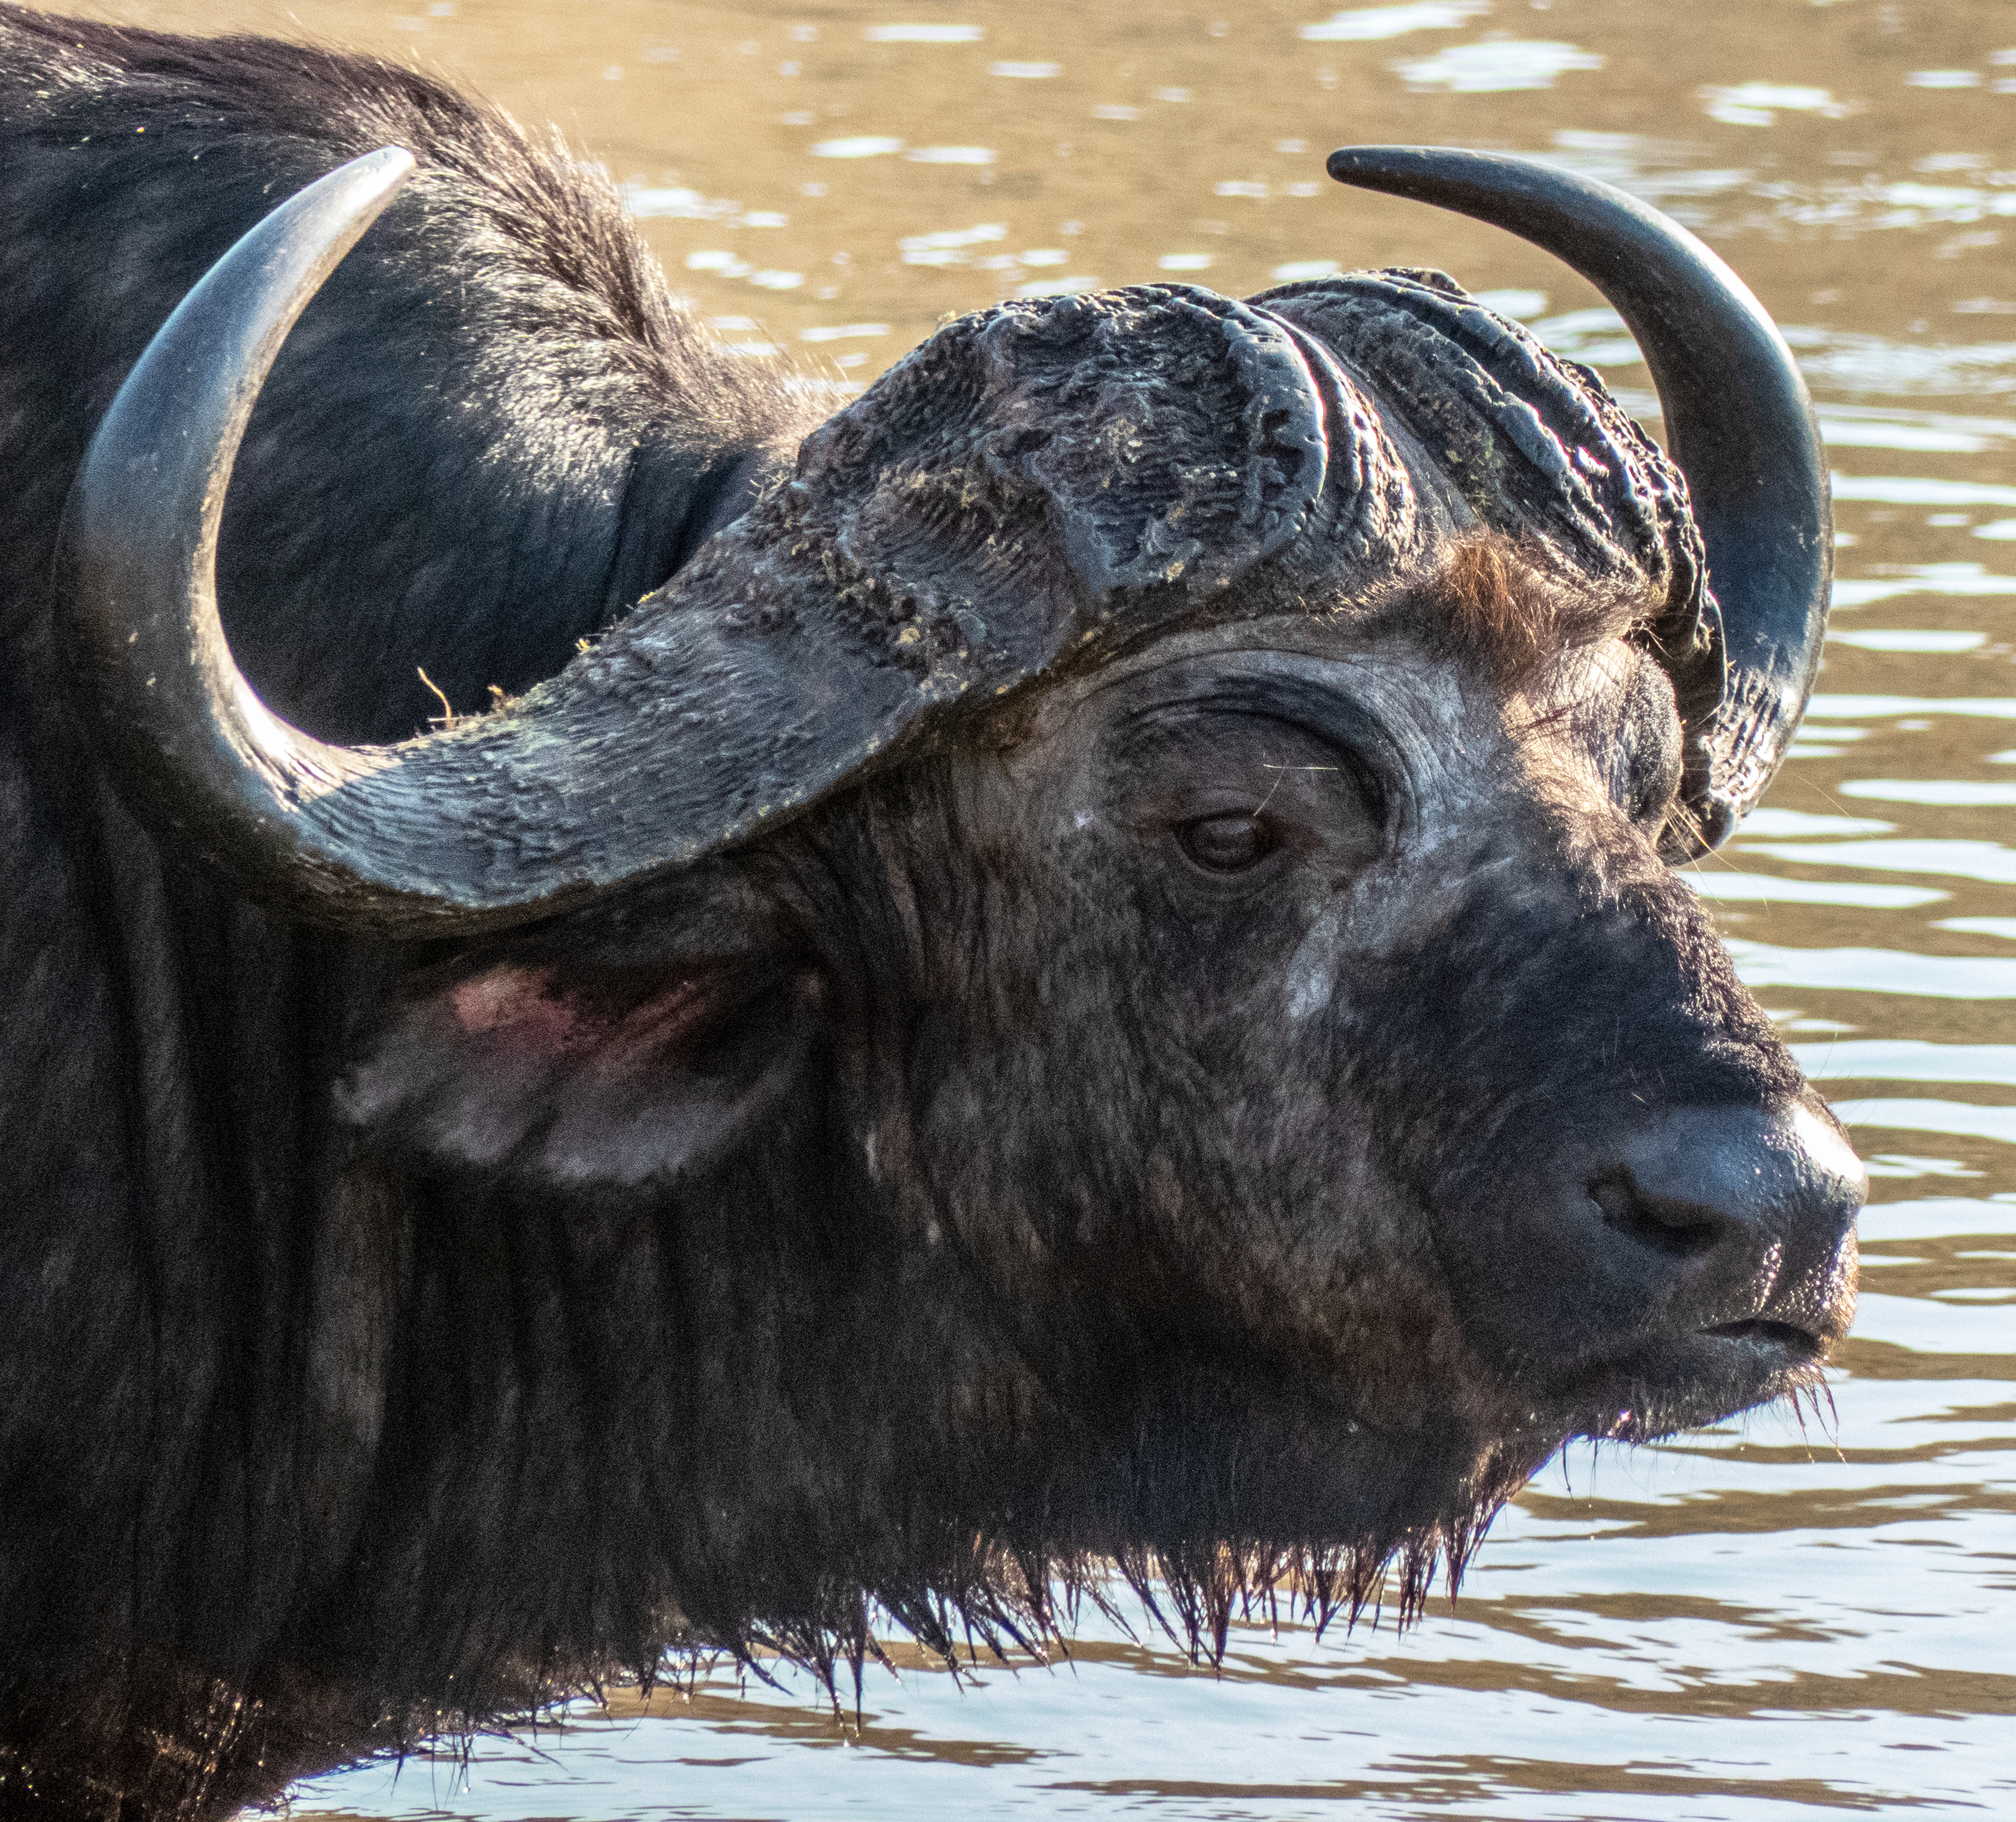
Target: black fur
485,439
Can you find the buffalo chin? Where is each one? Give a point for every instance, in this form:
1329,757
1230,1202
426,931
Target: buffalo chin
1216,1498
1696,1379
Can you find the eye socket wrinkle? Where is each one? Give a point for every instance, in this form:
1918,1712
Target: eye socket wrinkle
1352,743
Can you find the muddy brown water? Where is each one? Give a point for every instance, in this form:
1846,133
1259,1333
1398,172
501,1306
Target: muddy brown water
1753,1621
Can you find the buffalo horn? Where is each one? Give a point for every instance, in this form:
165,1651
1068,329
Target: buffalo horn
489,822
193,748
1739,424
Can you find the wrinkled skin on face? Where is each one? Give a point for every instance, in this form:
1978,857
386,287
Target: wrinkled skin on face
1361,963
1269,1092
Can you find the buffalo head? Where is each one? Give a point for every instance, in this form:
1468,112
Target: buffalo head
1100,974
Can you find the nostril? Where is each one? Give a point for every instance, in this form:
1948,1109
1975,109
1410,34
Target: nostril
1666,1224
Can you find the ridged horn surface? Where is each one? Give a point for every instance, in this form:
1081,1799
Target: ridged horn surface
800,646
1739,424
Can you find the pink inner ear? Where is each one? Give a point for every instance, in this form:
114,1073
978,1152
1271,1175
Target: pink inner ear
524,1010
514,1003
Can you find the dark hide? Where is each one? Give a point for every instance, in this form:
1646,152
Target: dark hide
1156,1121
485,441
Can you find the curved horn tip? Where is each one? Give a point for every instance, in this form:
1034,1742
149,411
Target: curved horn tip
1397,169
1348,163
1739,423
387,168
193,746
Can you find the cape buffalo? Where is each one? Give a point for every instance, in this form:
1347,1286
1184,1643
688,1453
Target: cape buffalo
1097,977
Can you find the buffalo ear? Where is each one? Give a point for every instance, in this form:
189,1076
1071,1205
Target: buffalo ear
588,1076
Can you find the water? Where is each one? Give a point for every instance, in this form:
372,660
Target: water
1757,1621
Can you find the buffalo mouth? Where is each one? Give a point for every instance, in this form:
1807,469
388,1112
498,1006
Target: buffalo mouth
1794,1346
1690,1380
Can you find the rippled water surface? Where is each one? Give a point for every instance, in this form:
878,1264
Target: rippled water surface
1755,1621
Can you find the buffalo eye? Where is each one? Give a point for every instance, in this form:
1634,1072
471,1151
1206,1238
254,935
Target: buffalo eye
1227,843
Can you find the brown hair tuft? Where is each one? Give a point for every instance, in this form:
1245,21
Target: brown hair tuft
1507,604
